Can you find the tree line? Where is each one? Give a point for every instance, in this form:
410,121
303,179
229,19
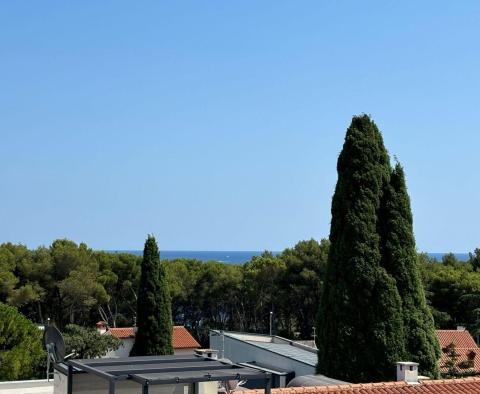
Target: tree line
73,284
70,283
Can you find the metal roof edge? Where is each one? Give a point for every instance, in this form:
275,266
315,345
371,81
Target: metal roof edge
260,347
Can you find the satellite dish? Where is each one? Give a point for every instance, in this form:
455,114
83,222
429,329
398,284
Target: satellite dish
54,343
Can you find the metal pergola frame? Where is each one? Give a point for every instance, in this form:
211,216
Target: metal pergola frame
163,370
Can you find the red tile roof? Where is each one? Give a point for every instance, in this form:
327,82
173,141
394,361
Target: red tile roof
181,338
454,386
465,347
123,332
465,355
461,338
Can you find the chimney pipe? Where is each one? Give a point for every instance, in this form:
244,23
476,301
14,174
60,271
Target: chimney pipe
407,372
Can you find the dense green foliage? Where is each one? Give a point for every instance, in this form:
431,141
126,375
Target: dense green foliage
44,282
360,317
21,351
69,283
236,297
302,283
154,310
217,295
399,257
87,342
453,291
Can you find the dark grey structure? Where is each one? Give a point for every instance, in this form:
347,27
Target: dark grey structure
143,373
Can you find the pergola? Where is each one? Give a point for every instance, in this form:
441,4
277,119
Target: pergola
163,370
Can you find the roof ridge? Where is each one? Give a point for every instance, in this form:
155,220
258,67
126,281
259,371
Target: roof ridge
452,381
344,388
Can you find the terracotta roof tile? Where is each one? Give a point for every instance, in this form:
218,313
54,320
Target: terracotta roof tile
454,386
465,347
181,338
461,338
123,332
464,356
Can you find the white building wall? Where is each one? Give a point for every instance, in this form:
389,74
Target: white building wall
123,350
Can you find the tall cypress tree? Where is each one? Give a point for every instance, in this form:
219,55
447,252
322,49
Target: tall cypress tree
400,261
154,310
360,325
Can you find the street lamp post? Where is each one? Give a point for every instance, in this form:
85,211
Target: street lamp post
271,319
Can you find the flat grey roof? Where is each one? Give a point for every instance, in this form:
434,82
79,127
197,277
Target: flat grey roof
287,350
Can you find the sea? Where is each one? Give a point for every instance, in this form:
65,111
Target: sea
240,256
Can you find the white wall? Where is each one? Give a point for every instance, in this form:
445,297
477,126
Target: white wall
123,350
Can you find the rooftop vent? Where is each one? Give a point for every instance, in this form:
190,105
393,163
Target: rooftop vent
407,372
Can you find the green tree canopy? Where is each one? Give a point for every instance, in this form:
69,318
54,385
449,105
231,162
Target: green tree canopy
21,350
360,325
154,311
261,283
301,284
474,259
88,342
399,258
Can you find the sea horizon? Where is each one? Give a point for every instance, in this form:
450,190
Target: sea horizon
239,256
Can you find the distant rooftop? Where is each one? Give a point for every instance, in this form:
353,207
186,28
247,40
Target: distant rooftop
459,337
288,350
468,353
181,337
275,344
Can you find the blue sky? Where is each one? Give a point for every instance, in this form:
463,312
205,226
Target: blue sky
217,125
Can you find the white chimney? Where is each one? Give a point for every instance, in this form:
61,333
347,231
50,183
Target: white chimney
461,328
102,327
407,372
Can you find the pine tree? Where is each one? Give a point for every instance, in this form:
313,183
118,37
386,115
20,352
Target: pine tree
400,260
359,325
154,315
451,362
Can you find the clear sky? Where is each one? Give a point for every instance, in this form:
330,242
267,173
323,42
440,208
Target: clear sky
216,125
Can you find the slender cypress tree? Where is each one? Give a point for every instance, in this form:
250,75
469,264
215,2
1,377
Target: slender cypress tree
400,261
360,325
154,310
